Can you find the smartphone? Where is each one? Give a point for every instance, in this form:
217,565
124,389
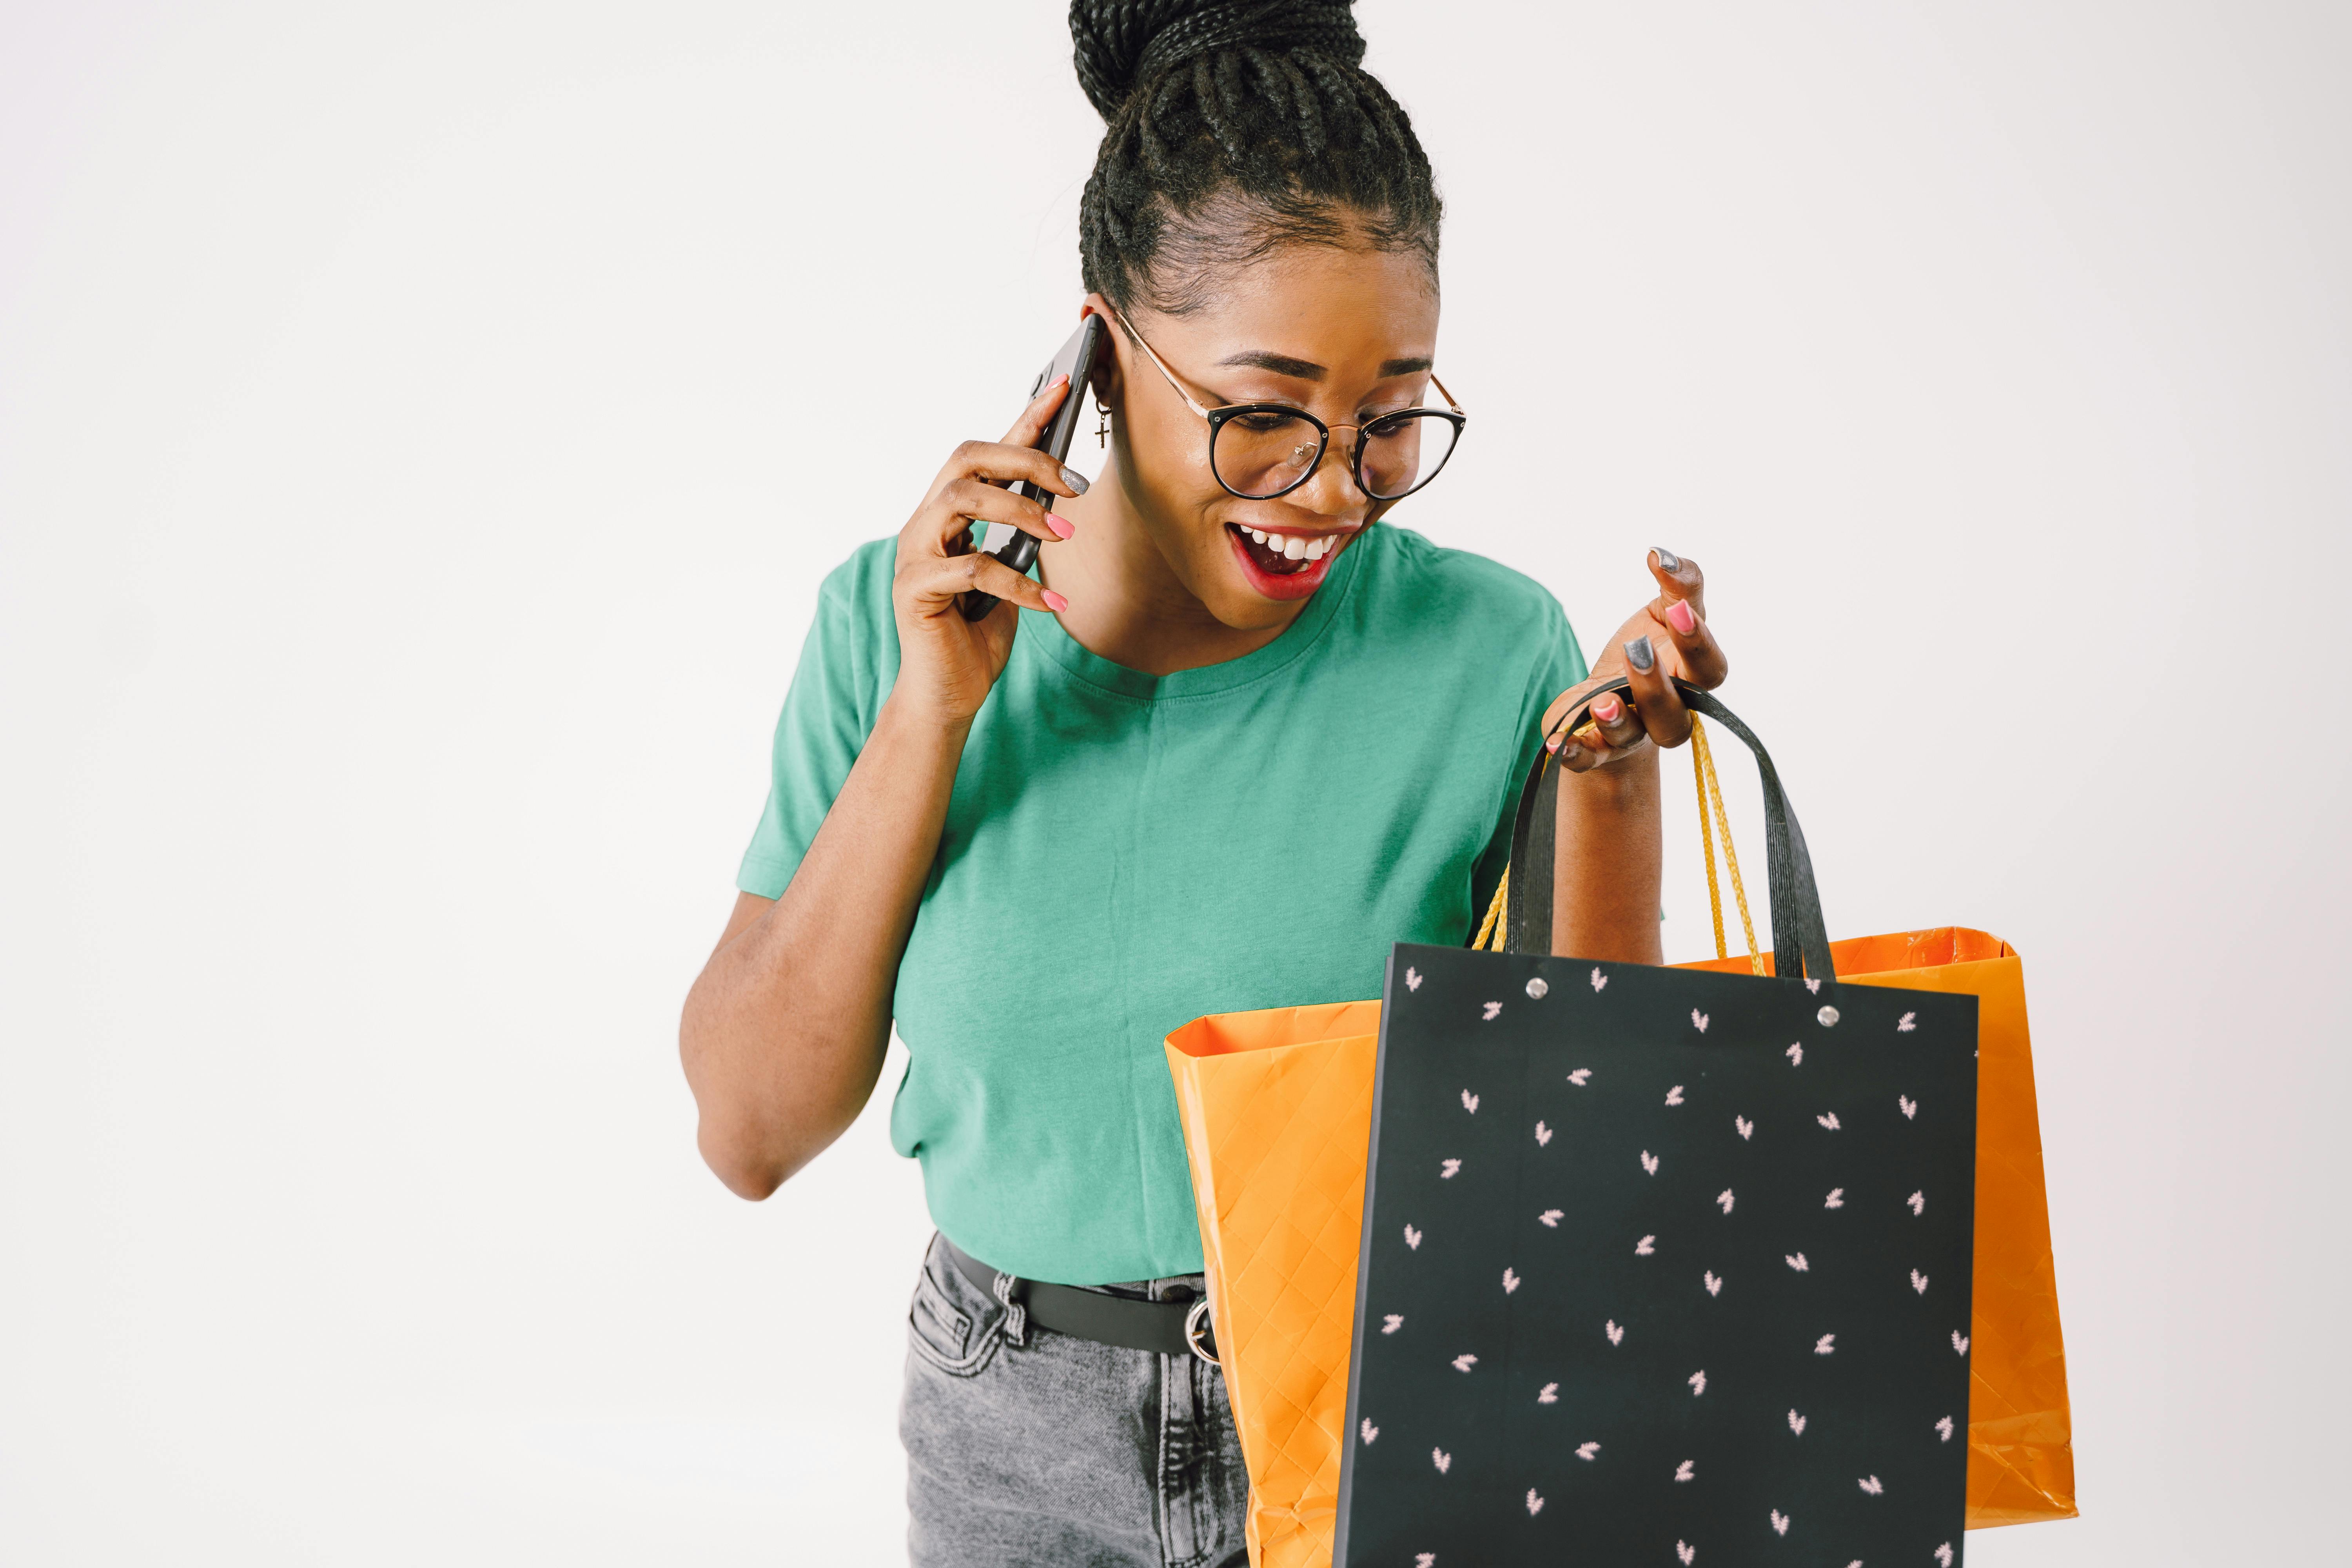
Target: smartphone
1002,540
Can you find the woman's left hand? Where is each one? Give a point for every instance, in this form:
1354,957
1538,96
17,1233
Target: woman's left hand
1666,639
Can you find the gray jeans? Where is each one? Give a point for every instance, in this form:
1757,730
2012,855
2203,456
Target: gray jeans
1060,1450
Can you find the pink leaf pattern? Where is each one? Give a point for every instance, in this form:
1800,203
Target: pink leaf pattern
1616,1335
1713,1284
1871,1485
1724,1198
1369,1430
1828,1119
1510,1282
1581,1076
1699,1020
1464,1362
1796,1424
1441,1460
1646,1247
1836,1200
1745,1127
1781,1522
1825,1345
1959,1342
1598,980
1547,1395
1413,1238
1649,1163
1918,1201
1905,1023
1698,1382
1675,1095
1446,1168
1944,1429
1918,1282
1493,1010
1687,1471
1548,1220
1535,1503
1543,1135
1908,1106
1412,978
1795,1260
1469,1102
1689,1554
1588,1451
1796,1054
1393,1322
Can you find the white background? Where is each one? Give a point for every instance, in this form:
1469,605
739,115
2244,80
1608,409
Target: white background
422,428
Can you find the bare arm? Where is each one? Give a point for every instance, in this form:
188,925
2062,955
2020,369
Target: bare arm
1605,878
784,1030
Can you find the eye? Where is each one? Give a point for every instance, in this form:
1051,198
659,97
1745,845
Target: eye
1263,420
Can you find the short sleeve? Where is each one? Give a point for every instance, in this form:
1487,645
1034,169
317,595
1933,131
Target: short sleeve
1558,664
846,666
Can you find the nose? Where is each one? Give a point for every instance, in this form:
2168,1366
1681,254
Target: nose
1331,490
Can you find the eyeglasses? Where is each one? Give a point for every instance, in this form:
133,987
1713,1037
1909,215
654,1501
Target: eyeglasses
1261,450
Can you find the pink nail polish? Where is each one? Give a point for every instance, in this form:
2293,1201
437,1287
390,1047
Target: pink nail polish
1551,742
1679,616
1060,525
1607,709
1055,602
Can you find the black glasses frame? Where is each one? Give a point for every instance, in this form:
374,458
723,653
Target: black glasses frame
1220,418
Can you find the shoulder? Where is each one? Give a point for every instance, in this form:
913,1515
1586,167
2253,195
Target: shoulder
1453,591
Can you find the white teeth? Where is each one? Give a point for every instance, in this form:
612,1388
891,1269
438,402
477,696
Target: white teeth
1317,548
1258,534
1293,547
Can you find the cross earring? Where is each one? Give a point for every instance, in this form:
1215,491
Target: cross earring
1102,427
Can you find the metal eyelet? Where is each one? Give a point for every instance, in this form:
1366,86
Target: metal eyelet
1194,1330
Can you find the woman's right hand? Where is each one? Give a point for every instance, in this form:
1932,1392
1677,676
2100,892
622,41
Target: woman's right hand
947,664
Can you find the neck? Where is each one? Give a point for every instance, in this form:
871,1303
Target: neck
1126,603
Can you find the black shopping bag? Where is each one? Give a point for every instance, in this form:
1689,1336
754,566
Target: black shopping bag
1662,1267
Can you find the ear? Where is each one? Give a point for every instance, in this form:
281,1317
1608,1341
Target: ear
1109,378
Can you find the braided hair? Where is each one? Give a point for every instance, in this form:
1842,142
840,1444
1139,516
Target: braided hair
1235,128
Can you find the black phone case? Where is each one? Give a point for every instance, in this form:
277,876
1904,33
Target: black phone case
1009,544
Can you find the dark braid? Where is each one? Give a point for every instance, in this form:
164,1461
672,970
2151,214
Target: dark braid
1235,128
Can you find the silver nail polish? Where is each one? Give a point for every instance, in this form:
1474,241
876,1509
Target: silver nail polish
1639,655
1075,480
1667,560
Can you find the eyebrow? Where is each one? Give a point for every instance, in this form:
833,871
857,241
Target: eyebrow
1308,370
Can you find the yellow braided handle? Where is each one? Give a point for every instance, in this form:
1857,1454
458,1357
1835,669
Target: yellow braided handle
1710,793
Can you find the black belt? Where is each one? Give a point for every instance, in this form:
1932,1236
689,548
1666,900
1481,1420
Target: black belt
1178,1325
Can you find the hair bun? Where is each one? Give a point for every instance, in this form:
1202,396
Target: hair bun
1120,42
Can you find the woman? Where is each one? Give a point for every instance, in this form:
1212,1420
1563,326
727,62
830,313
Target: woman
1232,740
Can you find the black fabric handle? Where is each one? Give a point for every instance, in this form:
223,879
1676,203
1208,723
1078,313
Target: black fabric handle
1796,898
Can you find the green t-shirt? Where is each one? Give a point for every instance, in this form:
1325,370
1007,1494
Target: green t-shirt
1126,852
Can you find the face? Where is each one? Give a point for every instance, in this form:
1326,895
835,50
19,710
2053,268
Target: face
1346,336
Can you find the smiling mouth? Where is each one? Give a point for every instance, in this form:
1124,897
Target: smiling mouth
1285,554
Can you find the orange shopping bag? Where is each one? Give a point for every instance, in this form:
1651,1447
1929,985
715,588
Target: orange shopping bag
1278,1109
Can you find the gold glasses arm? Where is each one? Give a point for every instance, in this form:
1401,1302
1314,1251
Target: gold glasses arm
1161,365
1445,395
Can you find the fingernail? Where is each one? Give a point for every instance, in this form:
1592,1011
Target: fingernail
1679,616
1055,602
1608,709
1551,742
1667,560
1075,480
1639,655
1062,526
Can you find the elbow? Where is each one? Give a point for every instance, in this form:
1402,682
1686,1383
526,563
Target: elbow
749,1174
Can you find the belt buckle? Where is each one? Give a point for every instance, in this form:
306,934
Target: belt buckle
1195,1328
